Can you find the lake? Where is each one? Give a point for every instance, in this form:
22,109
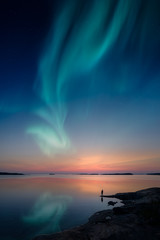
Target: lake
35,204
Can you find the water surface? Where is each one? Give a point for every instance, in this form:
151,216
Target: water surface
36,204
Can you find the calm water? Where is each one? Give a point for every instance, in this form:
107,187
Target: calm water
31,205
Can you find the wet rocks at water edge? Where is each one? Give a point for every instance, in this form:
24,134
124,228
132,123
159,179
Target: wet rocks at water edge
138,219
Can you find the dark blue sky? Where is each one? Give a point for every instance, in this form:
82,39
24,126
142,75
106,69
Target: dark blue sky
24,26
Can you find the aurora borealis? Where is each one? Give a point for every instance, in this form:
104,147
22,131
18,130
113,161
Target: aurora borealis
46,209
80,83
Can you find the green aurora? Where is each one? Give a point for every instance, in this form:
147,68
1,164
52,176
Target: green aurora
83,36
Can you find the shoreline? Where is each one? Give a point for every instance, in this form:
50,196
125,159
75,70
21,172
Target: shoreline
138,219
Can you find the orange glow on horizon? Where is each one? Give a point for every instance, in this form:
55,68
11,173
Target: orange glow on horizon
100,163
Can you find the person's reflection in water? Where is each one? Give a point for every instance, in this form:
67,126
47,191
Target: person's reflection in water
102,195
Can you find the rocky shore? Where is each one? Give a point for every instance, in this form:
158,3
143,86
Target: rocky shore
138,219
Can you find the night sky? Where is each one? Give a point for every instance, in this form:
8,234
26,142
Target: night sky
80,86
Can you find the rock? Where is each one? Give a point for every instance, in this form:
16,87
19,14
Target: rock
122,210
108,218
138,219
111,203
100,217
146,195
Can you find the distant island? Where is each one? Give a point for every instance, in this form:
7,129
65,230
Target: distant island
117,174
104,173
51,173
93,174
82,173
153,173
87,173
9,173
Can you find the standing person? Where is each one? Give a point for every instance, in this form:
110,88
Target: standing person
102,192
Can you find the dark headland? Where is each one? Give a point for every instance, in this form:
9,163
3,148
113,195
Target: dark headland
9,173
153,173
137,219
117,173
104,173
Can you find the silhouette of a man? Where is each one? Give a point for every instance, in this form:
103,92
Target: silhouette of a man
102,192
